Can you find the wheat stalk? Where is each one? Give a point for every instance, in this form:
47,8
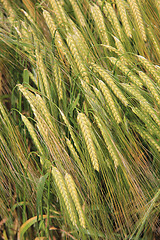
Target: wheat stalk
72,189
86,131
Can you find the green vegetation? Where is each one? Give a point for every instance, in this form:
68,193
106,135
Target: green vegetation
79,119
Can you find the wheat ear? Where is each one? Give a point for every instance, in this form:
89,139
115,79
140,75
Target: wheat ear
110,101
72,189
145,117
78,13
150,85
154,41
9,10
145,135
42,70
99,21
32,133
58,80
138,18
135,92
86,131
110,82
77,58
150,68
108,140
111,16
123,15
59,13
59,180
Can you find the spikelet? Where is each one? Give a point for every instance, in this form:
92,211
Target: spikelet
59,180
132,90
58,80
110,82
32,132
42,70
111,16
86,131
78,13
108,140
110,101
77,58
138,18
123,15
150,68
150,85
125,70
99,21
72,189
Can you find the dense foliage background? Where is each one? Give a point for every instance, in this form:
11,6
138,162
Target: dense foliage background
79,119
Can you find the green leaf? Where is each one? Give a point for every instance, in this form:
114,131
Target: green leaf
28,224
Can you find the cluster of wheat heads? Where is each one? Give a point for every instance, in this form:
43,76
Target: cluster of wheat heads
79,138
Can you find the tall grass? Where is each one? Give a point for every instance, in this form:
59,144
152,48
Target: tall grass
79,119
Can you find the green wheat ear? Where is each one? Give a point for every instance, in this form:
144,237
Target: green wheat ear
86,131
59,180
72,189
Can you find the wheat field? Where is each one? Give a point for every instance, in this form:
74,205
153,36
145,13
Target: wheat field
79,119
